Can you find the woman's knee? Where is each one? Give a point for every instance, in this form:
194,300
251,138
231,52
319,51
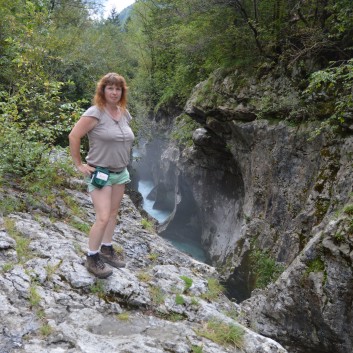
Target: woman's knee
114,214
102,220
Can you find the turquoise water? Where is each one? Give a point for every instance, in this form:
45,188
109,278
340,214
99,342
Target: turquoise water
145,187
191,248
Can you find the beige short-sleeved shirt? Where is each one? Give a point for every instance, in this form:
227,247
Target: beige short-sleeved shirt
110,141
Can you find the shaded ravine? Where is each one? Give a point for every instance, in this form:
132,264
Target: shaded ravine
181,228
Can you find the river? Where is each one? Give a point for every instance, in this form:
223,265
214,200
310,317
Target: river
179,237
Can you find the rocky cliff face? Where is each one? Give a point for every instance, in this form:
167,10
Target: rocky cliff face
274,188
161,302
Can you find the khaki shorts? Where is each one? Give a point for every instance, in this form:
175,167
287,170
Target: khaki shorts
122,177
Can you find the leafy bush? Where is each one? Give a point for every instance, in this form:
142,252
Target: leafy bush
331,92
19,155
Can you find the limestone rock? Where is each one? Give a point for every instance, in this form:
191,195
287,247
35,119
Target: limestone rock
270,185
51,304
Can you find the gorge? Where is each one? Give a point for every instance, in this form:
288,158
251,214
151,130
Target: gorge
271,191
180,229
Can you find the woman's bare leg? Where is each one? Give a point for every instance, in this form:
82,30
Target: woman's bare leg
102,202
116,197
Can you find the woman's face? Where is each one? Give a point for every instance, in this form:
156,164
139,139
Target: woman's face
112,94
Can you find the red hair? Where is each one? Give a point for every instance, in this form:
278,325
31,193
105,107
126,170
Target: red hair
110,79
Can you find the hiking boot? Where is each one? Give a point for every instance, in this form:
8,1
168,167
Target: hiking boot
96,266
109,256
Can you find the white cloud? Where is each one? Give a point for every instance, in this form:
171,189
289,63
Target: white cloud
118,4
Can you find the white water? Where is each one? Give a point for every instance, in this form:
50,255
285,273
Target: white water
194,250
145,187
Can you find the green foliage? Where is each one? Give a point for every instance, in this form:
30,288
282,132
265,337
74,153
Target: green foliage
34,297
19,156
174,317
331,92
22,243
188,282
348,209
52,53
196,349
9,204
339,237
264,268
46,330
7,267
153,256
183,130
34,166
223,333
181,42
82,227
195,302
316,265
40,313
179,299
146,224
215,289
157,295
98,288
51,270
144,276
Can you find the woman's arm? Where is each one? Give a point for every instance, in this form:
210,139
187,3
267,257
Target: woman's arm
82,127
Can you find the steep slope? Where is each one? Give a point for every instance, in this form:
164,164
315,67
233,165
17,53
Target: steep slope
271,194
161,302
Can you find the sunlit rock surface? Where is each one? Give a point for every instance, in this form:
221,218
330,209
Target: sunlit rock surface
51,304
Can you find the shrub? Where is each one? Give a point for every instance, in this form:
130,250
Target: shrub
331,92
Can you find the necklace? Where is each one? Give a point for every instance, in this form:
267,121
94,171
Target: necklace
115,114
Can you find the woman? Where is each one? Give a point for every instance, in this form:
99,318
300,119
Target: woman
110,141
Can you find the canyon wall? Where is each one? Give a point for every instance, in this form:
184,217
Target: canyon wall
275,187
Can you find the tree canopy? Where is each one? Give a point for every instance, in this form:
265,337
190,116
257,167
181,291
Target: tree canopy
53,52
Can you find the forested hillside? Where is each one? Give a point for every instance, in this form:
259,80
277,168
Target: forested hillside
53,51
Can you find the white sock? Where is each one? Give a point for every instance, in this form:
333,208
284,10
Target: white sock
107,244
92,252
